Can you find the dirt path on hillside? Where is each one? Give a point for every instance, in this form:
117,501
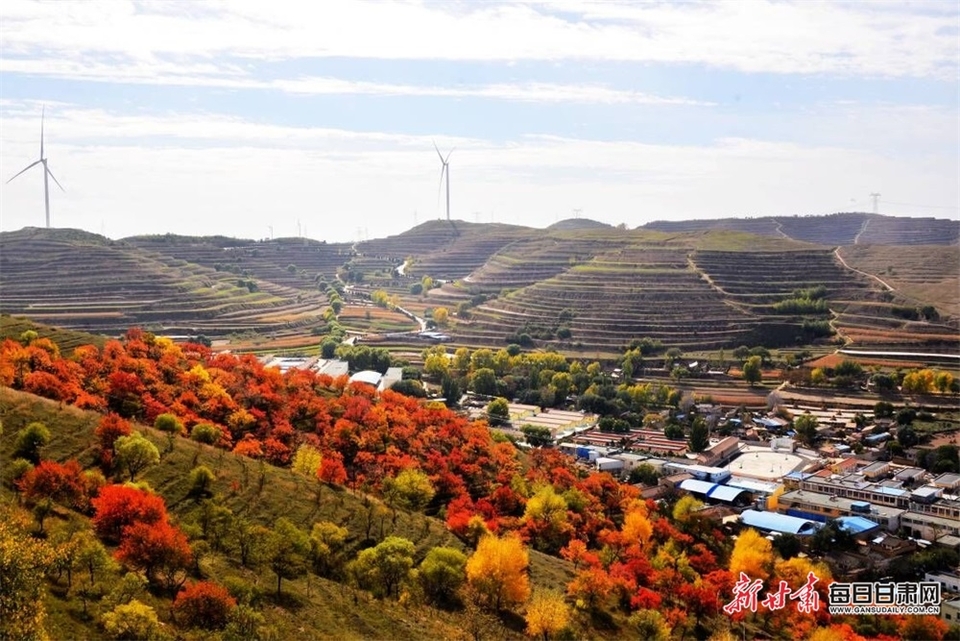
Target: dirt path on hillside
863,228
836,252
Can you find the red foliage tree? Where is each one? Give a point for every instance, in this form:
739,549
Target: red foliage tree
159,549
111,427
331,469
119,506
249,446
61,483
203,605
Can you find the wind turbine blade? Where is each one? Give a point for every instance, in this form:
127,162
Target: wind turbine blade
448,156
439,186
438,152
42,110
33,164
54,179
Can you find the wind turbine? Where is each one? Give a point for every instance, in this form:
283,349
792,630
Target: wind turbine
46,172
444,168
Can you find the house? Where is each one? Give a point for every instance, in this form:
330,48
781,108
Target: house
719,453
950,612
949,580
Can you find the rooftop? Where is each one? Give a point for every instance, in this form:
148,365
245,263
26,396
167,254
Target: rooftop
856,524
765,464
367,376
948,479
712,490
825,500
774,522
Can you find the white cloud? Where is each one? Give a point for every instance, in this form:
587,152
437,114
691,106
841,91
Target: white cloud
233,77
878,39
204,174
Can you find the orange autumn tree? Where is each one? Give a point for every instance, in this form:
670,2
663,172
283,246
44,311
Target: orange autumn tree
497,571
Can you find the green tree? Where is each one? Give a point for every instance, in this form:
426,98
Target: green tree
644,473
92,557
450,388
135,453
537,435
326,545
205,433
787,545
201,478
287,551
328,348
168,423
411,489
384,568
30,440
441,573
243,624
752,370
805,426
650,625
484,381
699,435
132,621
498,411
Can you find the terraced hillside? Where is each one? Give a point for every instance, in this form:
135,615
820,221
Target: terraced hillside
579,286
447,249
84,281
850,228
913,280
605,301
292,262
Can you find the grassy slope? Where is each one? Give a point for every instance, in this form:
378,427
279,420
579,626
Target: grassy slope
316,608
66,339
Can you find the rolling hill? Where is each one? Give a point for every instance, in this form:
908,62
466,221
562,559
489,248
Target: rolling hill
578,286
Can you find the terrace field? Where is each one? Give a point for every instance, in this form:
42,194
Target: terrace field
579,286
86,282
850,228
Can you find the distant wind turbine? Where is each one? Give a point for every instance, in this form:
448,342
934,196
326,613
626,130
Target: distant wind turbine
46,172
444,169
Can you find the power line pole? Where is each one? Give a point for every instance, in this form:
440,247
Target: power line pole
577,212
876,202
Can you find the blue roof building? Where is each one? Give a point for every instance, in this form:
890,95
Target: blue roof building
715,491
773,522
857,525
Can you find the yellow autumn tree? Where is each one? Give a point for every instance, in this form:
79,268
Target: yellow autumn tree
547,614
794,571
752,555
497,572
307,460
24,561
637,528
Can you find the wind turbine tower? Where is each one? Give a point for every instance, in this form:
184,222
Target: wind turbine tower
876,202
46,172
445,168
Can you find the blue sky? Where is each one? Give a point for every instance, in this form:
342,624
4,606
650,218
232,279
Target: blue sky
229,117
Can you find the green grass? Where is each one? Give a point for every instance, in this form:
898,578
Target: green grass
66,339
